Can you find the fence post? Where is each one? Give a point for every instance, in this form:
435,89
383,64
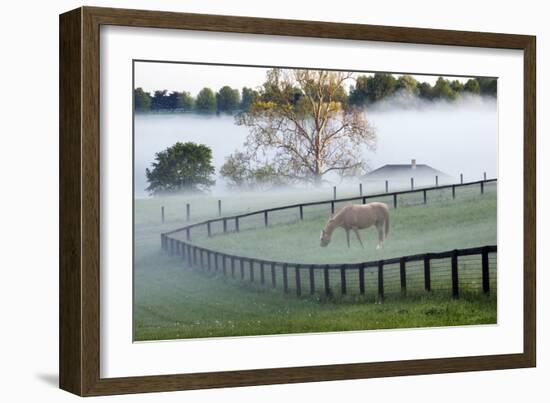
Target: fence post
364,199
343,286
182,250
201,259
412,183
209,229
224,225
251,264
273,276
387,187
403,276
265,218
427,273
362,279
189,255
481,186
188,234
485,270
332,206
188,211
461,179
224,265
380,281
219,208
162,214
301,212
232,267
237,224
454,273
425,198
436,181
208,264
334,192
170,247
162,242
195,260
262,273
285,277
326,280
298,280
484,176
360,189
311,280
241,266
454,191
395,200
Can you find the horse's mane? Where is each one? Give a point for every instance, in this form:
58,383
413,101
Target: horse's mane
340,211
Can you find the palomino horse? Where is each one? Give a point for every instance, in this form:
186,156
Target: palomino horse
355,217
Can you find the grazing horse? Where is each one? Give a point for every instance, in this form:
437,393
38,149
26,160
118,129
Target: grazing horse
355,217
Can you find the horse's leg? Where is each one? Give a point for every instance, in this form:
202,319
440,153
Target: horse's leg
347,236
359,237
380,229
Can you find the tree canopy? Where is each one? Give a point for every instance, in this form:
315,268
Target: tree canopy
206,101
301,122
228,99
181,167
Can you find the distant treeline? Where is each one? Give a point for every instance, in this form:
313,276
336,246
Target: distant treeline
367,90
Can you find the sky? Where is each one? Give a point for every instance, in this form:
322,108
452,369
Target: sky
153,76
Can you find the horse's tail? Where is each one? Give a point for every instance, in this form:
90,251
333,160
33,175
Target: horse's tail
387,222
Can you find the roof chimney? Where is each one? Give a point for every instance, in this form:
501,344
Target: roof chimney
413,163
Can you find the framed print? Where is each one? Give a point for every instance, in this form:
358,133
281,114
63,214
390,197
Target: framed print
249,201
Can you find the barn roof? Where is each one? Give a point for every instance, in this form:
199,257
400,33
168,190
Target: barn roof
405,171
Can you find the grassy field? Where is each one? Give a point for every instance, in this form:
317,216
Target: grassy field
173,301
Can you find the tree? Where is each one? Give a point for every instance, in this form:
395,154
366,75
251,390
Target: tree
443,90
487,86
407,84
241,171
206,101
185,101
309,136
172,101
457,86
159,100
227,99
182,167
425,91
472,86
381,86
248,97
142,100
358,94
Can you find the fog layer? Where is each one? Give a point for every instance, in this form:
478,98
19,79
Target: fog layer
457,137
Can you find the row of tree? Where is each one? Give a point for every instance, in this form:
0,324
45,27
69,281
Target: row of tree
366,90
226,100
302,126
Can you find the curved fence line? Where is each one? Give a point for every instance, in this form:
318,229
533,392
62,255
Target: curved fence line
212,260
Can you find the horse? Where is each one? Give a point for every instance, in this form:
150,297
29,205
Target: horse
355,217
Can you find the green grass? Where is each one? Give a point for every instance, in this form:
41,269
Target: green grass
417,229
173,301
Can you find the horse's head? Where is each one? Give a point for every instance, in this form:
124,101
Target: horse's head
326,232
325,238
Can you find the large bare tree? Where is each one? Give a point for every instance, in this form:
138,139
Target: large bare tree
301,122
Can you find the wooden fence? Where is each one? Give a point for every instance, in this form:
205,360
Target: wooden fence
346,277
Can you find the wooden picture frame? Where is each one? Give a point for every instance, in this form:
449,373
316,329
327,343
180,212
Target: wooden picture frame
79,346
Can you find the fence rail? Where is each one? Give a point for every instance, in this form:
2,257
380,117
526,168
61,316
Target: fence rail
431,270
301,277
332,202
